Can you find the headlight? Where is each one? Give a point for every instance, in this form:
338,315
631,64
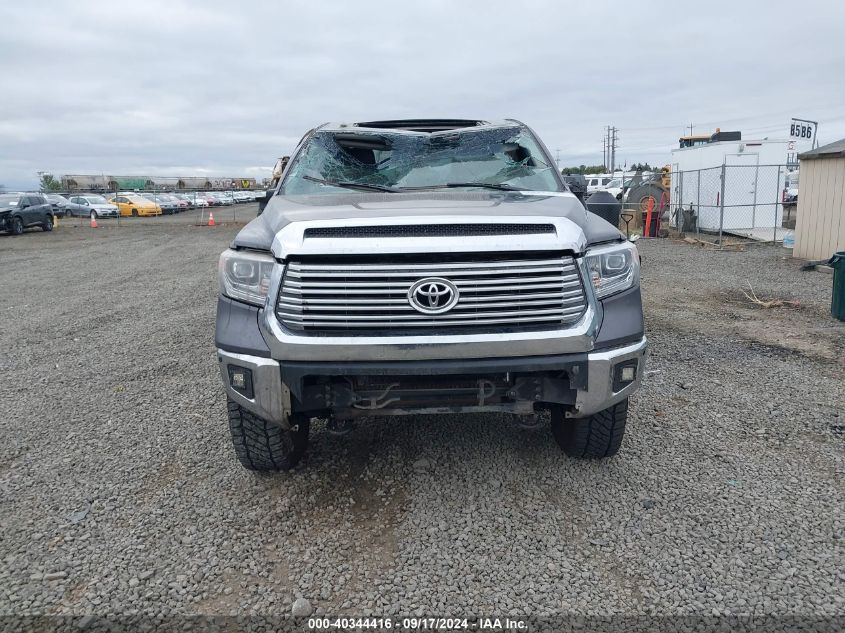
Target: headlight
613,268
245,275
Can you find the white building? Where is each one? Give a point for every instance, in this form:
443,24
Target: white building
751,200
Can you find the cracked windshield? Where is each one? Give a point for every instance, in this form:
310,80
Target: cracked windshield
506,158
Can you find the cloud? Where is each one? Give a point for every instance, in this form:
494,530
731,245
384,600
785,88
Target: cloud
223,88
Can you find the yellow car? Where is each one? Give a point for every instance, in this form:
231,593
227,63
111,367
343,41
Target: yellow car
135,205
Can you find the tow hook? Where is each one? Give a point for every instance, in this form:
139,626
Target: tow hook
339,428
532,422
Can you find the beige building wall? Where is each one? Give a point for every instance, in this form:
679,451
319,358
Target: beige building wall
820,225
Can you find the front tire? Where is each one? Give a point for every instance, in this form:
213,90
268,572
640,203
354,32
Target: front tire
47,225
16,227
93,215
594,437
263,446
134,213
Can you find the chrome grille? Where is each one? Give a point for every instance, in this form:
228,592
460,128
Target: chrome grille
332,297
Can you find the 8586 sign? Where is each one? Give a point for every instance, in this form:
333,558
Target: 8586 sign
801,129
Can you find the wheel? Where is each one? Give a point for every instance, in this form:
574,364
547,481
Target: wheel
93,214
642,194
134,213
17,226
597,436
264,446
47,225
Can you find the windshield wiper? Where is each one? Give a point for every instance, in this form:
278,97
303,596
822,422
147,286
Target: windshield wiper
352,185
450,185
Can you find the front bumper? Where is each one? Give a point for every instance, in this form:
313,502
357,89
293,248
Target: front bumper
271,397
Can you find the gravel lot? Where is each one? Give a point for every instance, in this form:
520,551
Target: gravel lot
120,493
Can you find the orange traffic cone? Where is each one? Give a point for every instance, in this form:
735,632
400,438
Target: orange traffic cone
210,219
93,222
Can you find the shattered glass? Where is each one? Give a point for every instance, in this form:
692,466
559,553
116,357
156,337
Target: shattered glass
335,160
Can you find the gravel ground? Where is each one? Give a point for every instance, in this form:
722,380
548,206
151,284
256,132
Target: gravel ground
120,493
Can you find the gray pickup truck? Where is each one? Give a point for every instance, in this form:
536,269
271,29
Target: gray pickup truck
426,267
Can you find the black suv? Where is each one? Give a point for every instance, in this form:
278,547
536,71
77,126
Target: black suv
19,211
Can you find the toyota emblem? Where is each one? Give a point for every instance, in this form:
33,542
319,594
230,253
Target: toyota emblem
433,295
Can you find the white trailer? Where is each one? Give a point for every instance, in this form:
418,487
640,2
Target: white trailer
750,199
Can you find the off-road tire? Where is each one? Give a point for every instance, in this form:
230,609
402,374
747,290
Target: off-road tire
16,226
638,196
594,437
47,225
263,446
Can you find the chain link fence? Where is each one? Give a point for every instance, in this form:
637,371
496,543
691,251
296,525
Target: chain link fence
154,205
723,204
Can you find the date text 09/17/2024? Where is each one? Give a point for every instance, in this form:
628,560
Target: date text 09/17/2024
418,624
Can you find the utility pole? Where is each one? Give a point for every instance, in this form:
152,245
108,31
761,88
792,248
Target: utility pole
611,148
610,143
690,129
603,151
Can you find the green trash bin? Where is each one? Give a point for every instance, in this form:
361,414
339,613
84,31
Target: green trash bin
837,302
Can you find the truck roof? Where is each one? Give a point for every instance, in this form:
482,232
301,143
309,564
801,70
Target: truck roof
423,125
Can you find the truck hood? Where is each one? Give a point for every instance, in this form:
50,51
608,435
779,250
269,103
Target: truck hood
275,230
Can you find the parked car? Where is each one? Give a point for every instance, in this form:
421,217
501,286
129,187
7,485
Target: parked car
130,203
221,198
510,297
200,201
19,211
181,205
597,182
92,206
187,198
168,207
577,184
211,199
58,202
614,188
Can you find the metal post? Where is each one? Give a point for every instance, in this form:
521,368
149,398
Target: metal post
777,201
754,207
698,203
679,206
722,206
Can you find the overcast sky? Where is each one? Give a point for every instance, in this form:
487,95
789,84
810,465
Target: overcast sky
170,87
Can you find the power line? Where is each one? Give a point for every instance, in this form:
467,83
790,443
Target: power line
729,121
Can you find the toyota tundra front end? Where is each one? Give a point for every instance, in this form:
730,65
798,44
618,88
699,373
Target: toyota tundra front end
405,268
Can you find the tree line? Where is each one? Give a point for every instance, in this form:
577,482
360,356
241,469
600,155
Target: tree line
602,169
